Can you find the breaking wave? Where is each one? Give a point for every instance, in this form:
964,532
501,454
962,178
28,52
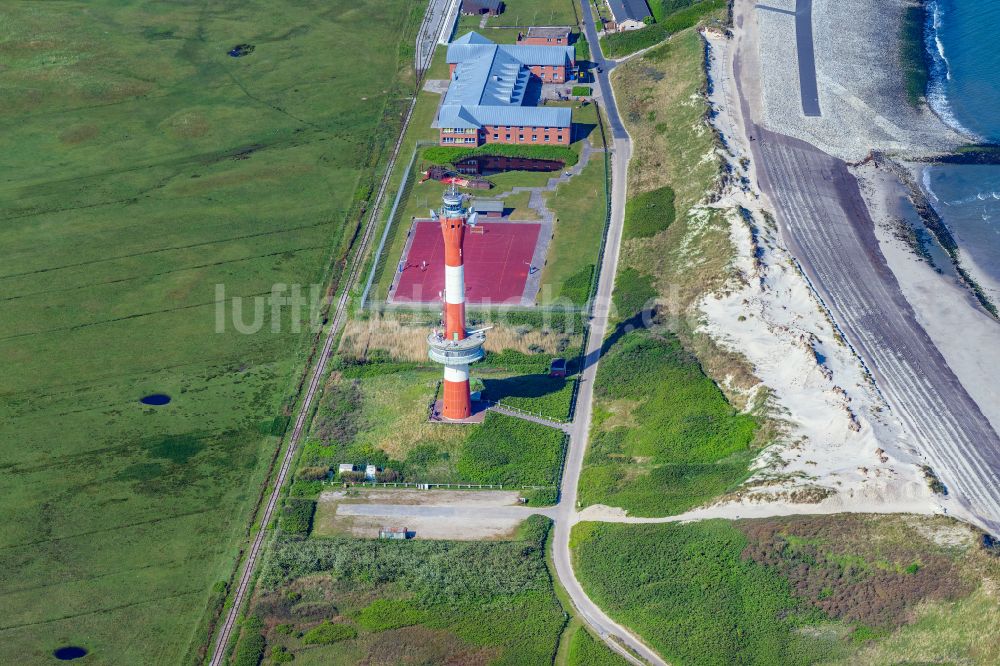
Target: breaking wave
940,70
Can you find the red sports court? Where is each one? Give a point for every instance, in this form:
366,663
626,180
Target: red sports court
497,258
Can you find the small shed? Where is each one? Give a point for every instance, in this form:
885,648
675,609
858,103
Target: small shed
557,368
400,533
488,207
345,467
370,472
482,7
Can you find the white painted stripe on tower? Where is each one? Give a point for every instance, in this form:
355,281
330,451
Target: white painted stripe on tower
454,284
456,373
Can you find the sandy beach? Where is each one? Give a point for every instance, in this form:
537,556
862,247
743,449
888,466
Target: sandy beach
849,440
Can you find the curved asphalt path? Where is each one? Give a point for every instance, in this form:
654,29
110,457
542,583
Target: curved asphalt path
610,631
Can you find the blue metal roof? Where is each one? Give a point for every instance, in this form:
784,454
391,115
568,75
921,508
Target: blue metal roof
490,81
468,117
623,10
473,45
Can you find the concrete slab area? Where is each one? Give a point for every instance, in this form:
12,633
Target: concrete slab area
428,514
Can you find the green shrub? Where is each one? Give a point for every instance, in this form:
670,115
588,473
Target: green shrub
689,592
297,516
582,91
618,44
538,393
329,632
649,213
465,574
535,530
315,473
541,496
250,649
310,489
692,15
281,655
509,450
473,594
449,154
516,361
385,614
634,292
660,9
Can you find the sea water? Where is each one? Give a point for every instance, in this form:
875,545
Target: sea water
963,42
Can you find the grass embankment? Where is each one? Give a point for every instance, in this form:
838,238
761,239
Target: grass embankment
796,590
674,252
347,601
681,247
580,207
913,54
663,438
671,16
169,168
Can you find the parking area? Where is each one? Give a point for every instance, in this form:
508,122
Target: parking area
425,514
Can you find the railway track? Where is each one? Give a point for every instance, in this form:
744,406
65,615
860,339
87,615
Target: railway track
316,378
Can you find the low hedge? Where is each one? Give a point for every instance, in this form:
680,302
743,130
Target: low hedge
329,632
297,516
450,155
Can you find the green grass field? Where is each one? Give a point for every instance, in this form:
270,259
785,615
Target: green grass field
525,13
145,166
380,416
427,602
797,590
580,208
663,438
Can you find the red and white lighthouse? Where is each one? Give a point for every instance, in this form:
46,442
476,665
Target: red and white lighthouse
454,347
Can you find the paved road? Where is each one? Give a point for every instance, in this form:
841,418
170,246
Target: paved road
603,80
828,228
808,89
580,428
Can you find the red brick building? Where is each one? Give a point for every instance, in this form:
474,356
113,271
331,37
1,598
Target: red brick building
486,101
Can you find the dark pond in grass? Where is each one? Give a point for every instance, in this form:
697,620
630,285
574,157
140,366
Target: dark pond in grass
241,50
155,399
69,652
